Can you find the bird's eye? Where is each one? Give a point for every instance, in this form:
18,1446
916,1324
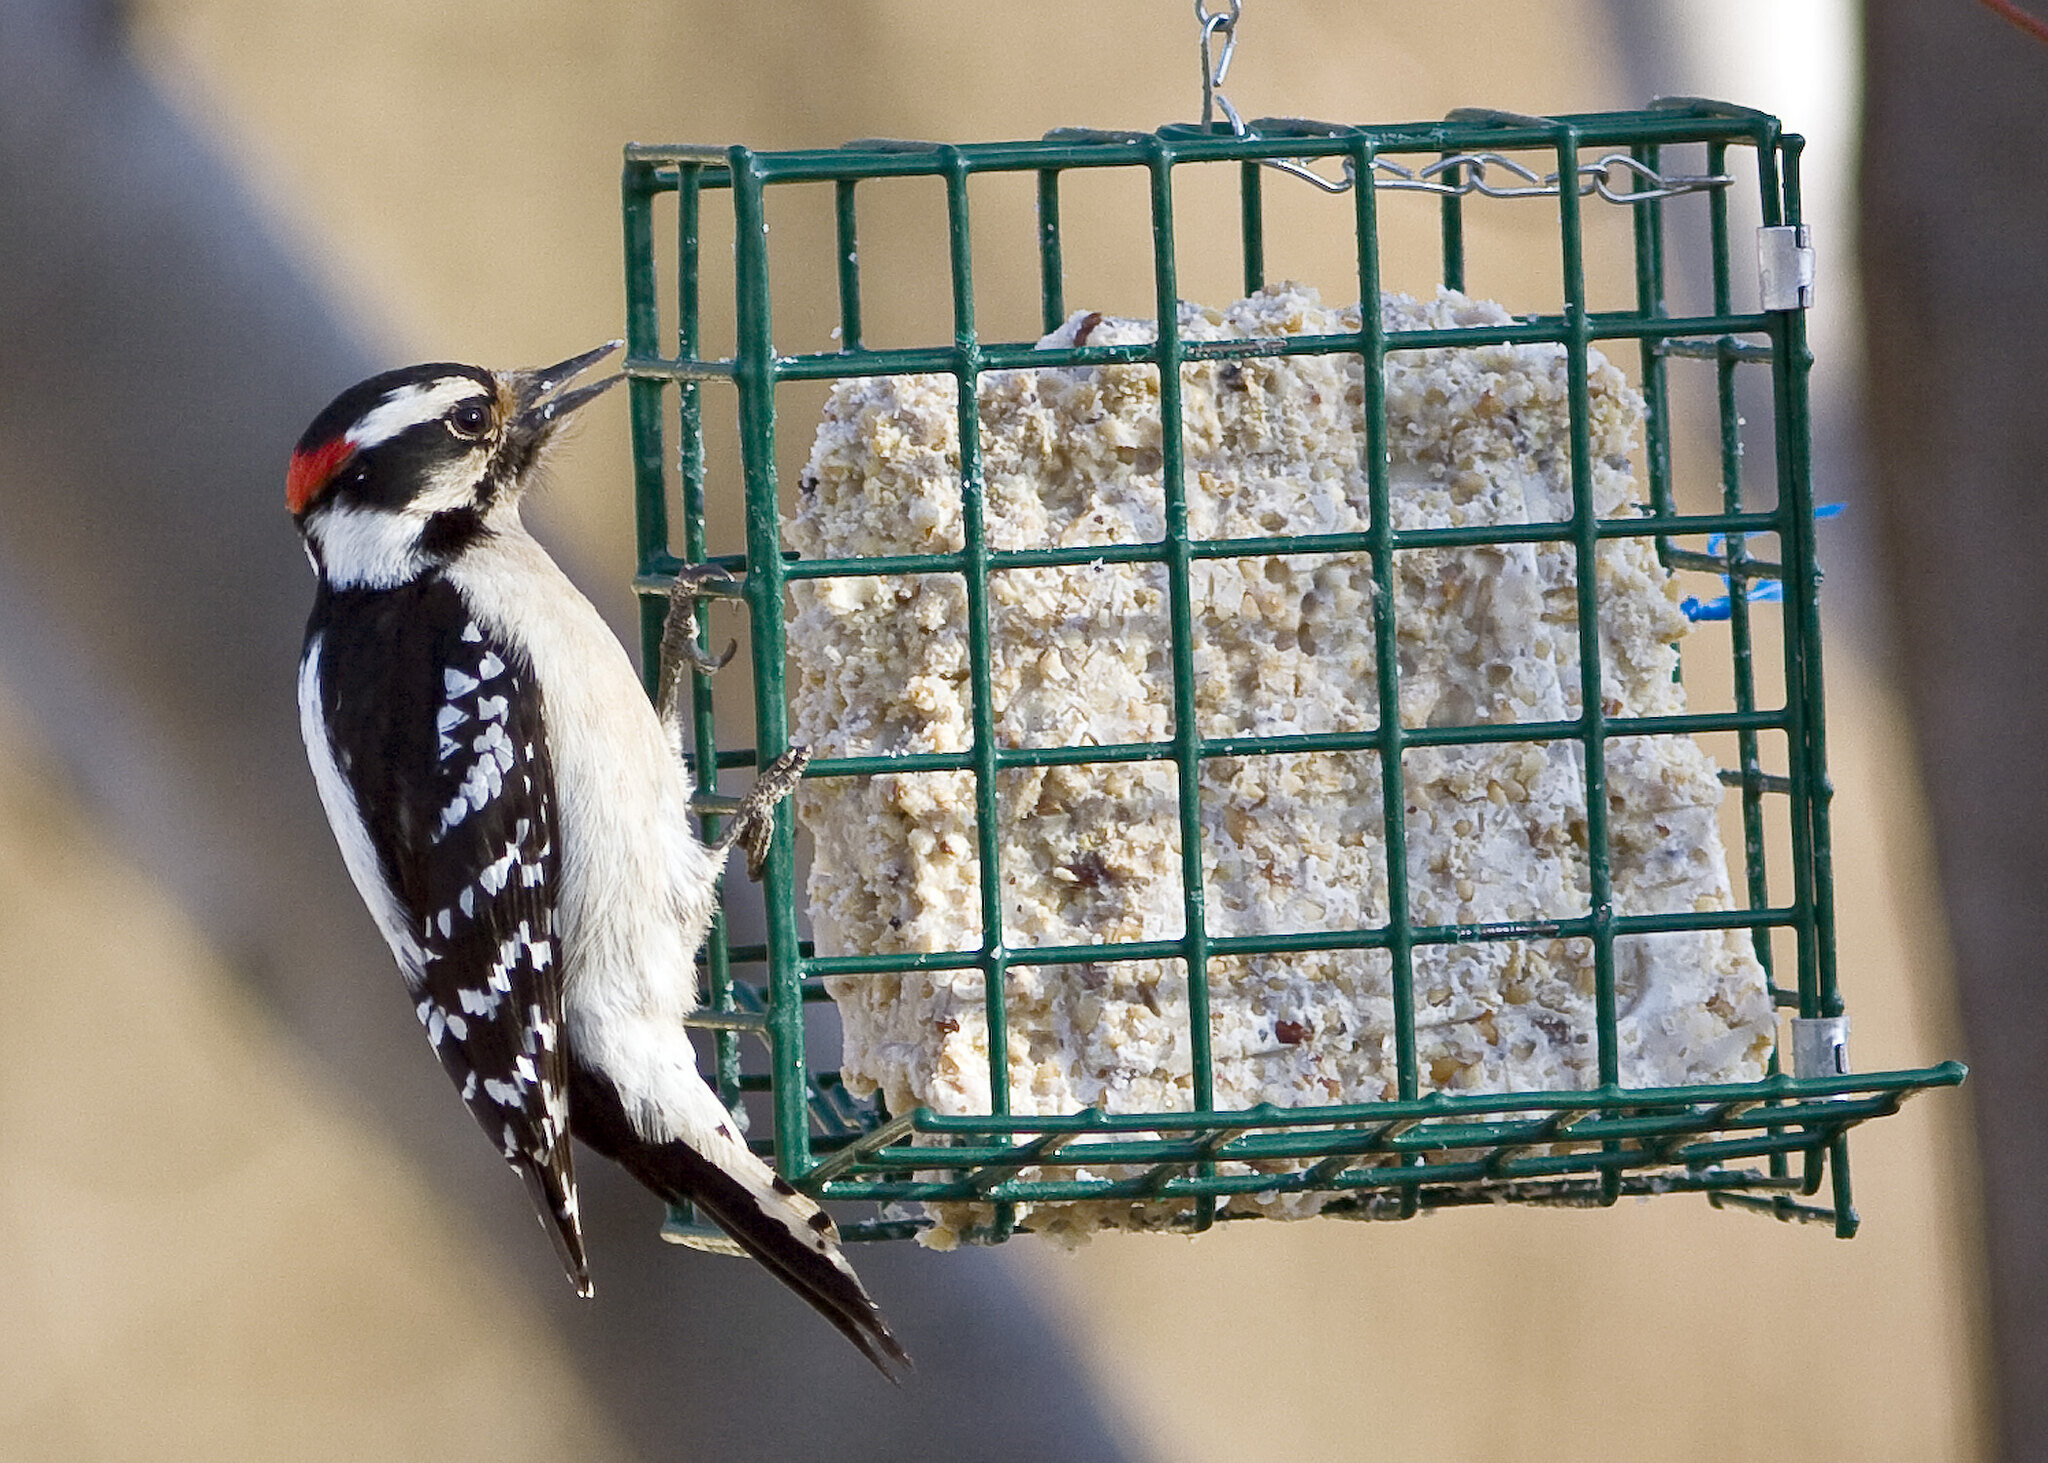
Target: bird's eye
472,419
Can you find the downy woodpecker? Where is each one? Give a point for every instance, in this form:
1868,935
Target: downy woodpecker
514,814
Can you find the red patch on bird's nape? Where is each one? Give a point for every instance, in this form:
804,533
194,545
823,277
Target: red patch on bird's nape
312,469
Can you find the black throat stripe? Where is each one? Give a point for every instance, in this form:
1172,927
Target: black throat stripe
451,531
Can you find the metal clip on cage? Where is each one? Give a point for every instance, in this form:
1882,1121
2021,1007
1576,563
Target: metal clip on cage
1764,1144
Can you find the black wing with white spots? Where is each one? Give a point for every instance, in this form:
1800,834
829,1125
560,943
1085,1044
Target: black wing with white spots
445,751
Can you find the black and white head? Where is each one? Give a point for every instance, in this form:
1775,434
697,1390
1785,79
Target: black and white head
404,470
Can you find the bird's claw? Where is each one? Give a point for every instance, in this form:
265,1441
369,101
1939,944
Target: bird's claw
697,658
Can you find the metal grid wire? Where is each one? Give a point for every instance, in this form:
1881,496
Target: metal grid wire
1763,1144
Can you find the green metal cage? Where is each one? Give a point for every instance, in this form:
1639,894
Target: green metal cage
1766,1145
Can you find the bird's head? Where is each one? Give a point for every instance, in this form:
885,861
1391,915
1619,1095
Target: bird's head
404,469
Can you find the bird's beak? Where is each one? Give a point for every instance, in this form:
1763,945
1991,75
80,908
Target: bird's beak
541,405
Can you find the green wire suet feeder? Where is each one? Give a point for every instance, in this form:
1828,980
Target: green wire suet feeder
1771,1144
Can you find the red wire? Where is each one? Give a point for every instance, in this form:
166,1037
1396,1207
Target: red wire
2032,25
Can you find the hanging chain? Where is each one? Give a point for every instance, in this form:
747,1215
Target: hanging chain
1640,183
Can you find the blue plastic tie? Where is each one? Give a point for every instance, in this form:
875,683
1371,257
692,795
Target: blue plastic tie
1761,591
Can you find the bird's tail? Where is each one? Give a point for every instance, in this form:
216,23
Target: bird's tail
552,1187
786,1231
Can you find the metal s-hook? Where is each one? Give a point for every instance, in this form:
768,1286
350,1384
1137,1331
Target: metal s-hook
1215,68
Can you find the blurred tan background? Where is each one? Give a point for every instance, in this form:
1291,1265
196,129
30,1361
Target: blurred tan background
229,1229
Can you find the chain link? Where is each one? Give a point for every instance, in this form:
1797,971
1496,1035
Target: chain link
1596,176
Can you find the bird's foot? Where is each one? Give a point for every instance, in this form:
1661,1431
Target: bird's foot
679,647
753,822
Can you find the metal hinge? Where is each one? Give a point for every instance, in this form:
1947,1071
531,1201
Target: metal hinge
1784,266
1820,1046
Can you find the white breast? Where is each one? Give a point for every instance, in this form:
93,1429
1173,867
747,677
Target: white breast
636,885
